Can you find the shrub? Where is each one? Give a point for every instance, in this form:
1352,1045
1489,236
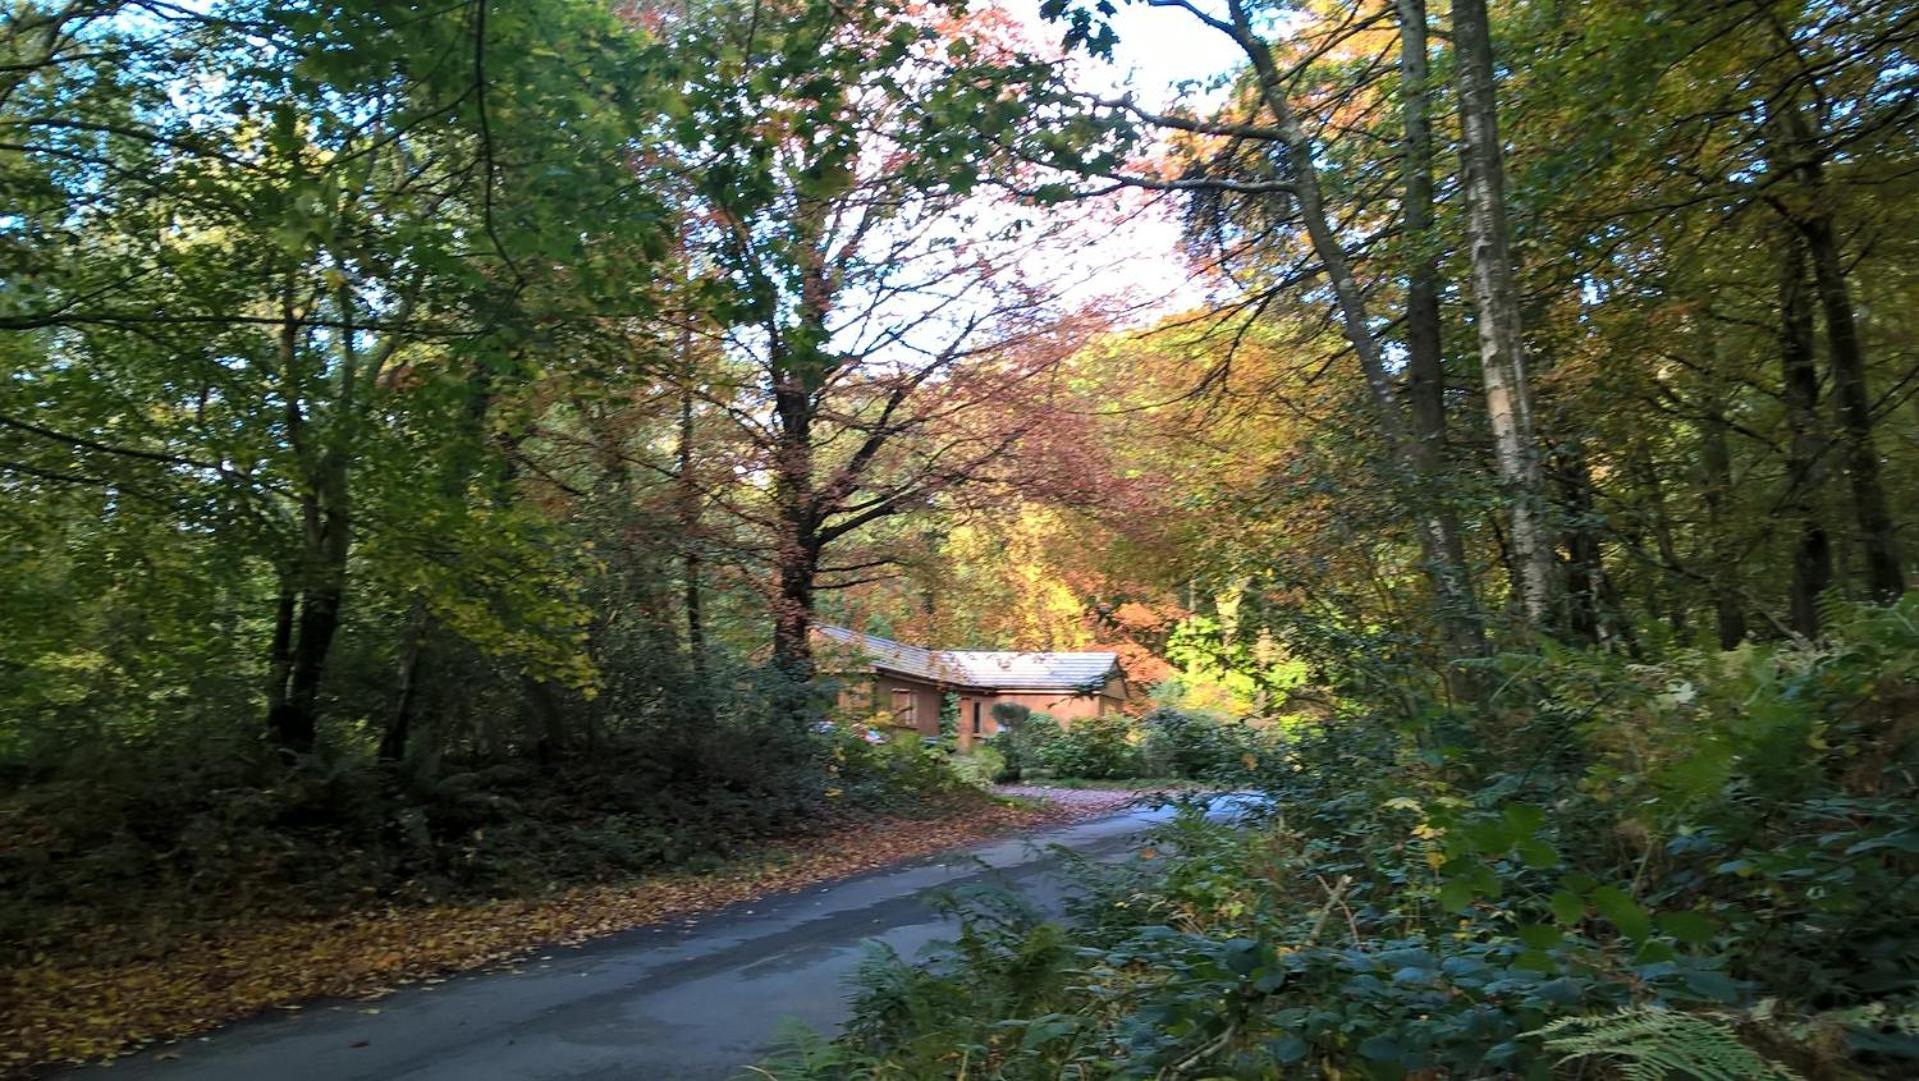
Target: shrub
897,774
1096,748
1705,861
1019,729
980,766
1195,746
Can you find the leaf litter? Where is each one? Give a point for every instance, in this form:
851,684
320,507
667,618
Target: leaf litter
75,1008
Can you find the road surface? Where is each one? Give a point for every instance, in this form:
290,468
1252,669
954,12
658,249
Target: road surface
682,1003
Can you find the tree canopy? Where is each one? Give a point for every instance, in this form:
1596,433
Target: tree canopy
407,402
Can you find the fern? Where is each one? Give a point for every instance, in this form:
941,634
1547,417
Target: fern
1652,1044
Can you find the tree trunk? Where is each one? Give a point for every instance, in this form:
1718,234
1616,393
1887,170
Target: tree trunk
1445,550
1439,539
1805,454
399,725
1728,611
292,719
549,718
797,570
690,522
1496,297
1584,572
280,649
1663,593
1424,361
797,552
1885,576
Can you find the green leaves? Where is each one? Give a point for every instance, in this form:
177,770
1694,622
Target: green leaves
1539,936
1691,928
1618,906
1567,908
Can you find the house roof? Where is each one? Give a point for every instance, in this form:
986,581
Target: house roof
1000,670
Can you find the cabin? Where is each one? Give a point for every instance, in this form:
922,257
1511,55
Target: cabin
909,682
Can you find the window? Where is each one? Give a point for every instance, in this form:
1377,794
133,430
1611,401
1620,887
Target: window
976,717
903,702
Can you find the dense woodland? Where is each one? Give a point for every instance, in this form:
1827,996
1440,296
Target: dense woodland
428,433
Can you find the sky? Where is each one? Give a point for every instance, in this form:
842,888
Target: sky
1157,49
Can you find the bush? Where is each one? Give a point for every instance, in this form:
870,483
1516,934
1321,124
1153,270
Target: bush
899,774
1708,860
1020,730
980,766
1096,748
1195,746
177,830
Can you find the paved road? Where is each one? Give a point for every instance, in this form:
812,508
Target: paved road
681,1004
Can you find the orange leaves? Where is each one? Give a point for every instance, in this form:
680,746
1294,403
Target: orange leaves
76,1008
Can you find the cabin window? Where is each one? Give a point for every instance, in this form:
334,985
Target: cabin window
903,702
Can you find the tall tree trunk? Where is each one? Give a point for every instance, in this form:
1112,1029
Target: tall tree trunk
1663,593
796,571
1805,454
1439,541
1425,362
1728,610
797,549
690,520
1852,400
280,649
1496,298
319,573
1885,576
293,720
399,725
541,699
1584,572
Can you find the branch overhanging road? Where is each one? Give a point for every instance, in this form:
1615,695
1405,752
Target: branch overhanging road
693,1002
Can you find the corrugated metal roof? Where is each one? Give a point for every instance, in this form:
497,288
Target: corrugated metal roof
998,670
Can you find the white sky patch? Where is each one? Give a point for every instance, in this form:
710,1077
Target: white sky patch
1162,57
1158,49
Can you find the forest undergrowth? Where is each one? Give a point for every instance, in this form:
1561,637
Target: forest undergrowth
1695,867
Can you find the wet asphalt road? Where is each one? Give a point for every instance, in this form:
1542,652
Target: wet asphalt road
678,1003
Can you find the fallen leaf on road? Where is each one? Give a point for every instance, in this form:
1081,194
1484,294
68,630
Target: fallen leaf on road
73,1009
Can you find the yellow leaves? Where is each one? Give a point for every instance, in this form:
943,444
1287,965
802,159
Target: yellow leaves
76,1007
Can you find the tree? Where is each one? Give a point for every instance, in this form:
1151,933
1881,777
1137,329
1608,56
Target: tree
879,316
1502,349
1255,174
312,289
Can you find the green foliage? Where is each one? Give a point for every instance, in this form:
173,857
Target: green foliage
1020,731
980,766
902,774
1091,748
1197,746
1652,1044
1408,901
172,828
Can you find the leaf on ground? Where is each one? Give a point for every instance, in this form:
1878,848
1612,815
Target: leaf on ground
75,1008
